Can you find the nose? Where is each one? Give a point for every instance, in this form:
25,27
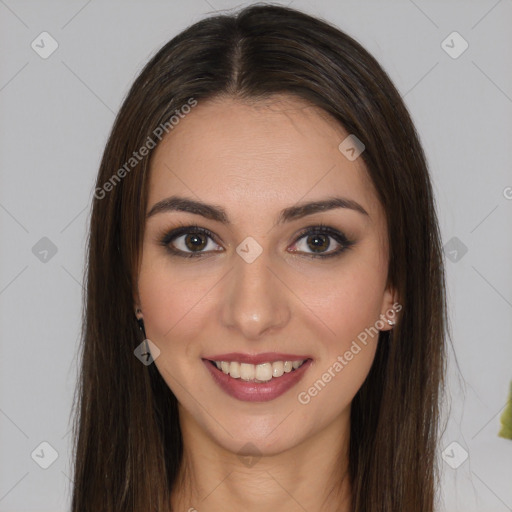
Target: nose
255,298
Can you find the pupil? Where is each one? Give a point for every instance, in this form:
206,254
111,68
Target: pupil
196,242
324,242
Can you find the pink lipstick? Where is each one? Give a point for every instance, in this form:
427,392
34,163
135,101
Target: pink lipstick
257,377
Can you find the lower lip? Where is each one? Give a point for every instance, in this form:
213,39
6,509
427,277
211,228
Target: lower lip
253,391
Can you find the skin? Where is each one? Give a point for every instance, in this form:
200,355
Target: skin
254,159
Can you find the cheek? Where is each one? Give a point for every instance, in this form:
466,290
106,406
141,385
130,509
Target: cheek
175,309
345,302
347,348
175,302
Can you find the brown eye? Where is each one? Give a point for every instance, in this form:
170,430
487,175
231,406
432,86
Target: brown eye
318,243
315,242
189,241
195,241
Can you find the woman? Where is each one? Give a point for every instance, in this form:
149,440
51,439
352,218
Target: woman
265,314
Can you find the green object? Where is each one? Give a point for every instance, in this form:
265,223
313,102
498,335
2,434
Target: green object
506,418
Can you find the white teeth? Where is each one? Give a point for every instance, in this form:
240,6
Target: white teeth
247,371
258,373
277,369
234,369
264,372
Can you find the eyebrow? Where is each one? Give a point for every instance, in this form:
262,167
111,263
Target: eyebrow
217,213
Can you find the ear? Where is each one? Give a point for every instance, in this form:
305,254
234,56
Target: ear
390,308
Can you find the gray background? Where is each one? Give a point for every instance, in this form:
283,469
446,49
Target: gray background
56,114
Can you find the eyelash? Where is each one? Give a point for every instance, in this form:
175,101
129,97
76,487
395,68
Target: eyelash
312,230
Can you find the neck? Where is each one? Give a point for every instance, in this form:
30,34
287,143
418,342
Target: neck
312,476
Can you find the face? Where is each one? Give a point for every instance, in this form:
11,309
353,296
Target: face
236,269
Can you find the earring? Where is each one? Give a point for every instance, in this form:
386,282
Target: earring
140,321
391,322
141,326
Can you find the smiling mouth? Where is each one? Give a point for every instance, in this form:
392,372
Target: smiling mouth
257,373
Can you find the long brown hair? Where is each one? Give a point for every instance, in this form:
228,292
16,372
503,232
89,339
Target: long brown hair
128,444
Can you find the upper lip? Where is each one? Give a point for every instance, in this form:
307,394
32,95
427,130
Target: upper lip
265,357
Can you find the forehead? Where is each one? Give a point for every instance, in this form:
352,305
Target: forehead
281,149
